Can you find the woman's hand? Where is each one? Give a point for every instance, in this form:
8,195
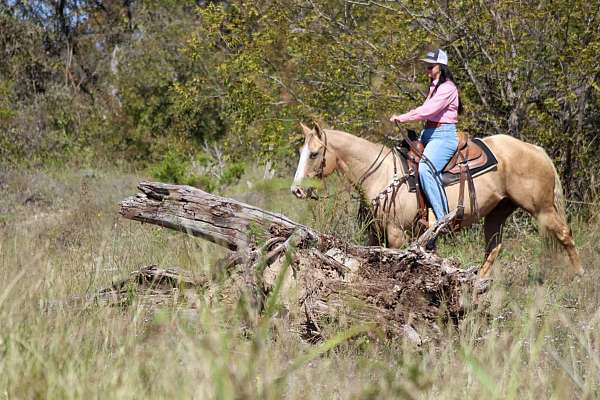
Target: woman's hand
396,118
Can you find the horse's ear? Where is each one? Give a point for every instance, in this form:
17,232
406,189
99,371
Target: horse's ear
318,131
307,131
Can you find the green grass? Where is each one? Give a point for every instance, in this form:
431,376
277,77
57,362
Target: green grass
61,237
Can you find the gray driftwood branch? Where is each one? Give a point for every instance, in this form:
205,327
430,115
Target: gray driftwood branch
397,291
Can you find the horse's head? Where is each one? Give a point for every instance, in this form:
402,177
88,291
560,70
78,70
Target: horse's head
317,159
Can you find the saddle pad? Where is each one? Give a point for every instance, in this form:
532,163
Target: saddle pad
449,179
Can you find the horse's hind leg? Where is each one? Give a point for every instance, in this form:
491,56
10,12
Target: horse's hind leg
494,222
551,222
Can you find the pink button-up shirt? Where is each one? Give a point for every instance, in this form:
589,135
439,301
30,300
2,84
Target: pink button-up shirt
441,107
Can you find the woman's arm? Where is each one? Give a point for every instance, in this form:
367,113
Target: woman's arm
445,94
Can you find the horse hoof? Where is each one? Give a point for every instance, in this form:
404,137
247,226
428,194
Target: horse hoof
431,245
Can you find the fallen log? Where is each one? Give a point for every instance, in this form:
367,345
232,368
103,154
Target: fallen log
323,280
223,221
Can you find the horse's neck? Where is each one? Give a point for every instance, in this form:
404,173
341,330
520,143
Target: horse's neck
358,157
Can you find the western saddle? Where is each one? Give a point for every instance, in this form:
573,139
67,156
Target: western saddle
468,157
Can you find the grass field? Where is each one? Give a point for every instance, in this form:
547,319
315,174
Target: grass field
61,237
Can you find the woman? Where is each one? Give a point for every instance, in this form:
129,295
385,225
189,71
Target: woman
440,111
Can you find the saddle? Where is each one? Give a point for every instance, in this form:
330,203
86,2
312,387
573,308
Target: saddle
472,158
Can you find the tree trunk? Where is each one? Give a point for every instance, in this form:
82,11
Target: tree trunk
320,278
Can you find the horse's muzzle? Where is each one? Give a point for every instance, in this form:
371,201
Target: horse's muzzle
310,193
298,192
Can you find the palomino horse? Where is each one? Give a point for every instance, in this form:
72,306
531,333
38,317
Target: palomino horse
525,177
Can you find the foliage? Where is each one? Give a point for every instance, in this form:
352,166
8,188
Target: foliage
133,80
351,64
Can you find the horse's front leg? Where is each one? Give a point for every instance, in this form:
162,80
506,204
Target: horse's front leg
396,236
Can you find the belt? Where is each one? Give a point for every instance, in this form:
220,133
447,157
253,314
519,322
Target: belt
433,124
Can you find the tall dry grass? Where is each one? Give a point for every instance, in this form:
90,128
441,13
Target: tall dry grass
61,239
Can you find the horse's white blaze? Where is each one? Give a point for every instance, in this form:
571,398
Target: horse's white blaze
301,170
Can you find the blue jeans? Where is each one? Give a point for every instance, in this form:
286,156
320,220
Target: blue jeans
440,144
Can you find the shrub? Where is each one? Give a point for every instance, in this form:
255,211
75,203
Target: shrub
233,173
174,168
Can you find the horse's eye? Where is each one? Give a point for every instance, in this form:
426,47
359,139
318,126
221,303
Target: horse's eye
314,155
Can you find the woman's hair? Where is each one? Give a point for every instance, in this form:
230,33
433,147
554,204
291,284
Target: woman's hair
446,75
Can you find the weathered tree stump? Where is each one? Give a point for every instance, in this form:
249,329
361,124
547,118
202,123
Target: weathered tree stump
399,292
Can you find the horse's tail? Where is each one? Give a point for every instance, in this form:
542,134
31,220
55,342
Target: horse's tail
559,196
550,240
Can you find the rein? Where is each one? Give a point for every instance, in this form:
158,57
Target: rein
371,170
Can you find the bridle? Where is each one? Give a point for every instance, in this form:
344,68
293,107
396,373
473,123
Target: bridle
321,169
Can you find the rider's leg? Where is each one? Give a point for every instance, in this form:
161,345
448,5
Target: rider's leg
440,146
